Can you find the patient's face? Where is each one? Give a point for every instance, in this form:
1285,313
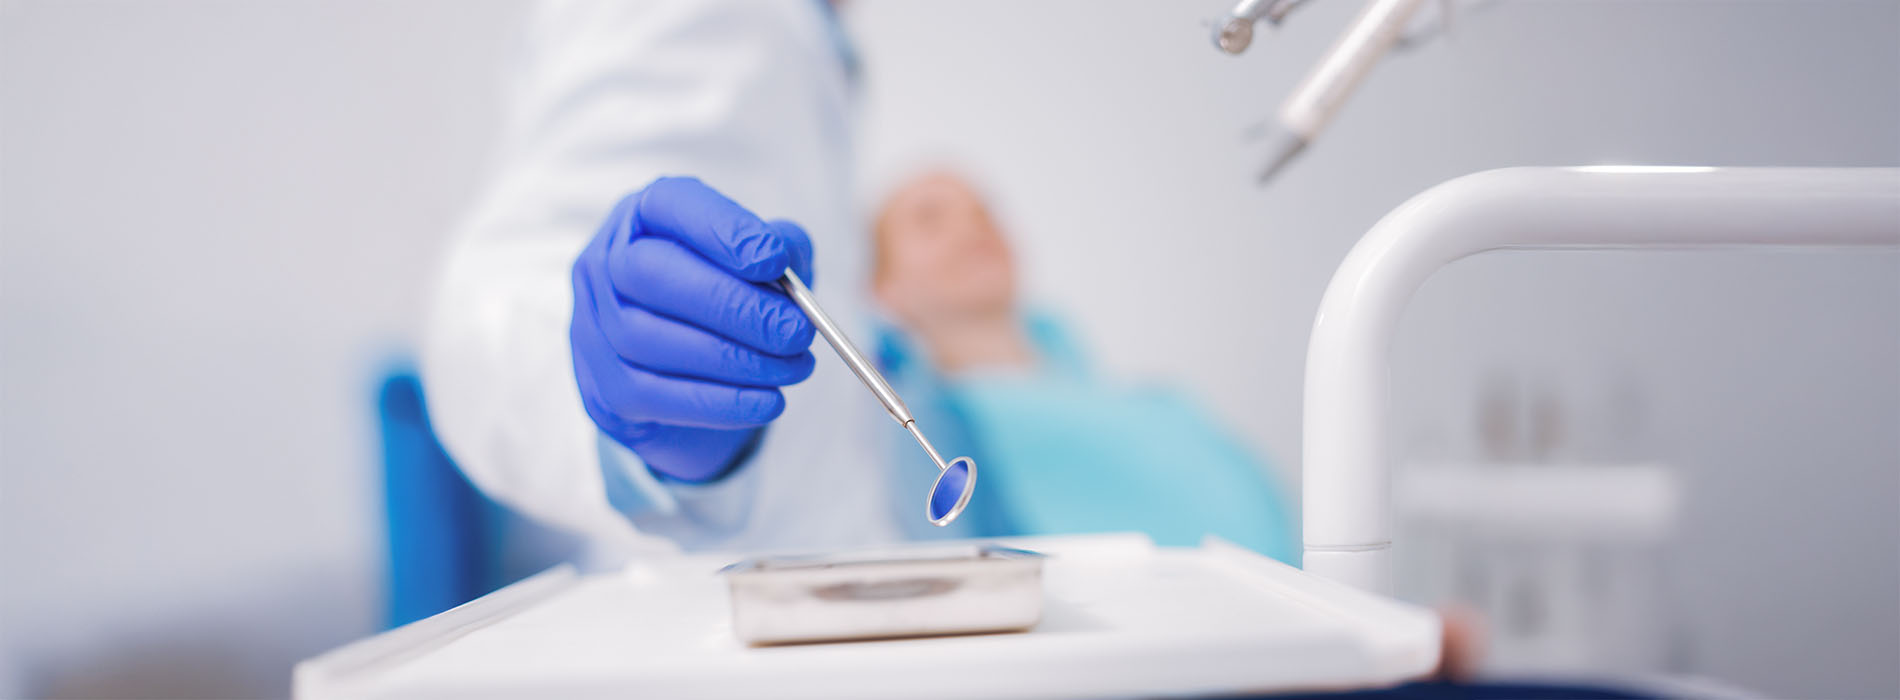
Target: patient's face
940,256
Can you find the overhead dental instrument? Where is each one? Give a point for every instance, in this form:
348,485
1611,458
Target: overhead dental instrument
1311,105
956,480
1234,33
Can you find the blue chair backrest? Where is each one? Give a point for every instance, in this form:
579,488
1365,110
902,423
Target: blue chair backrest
439,552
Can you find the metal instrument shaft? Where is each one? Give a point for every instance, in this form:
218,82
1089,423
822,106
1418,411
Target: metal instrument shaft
867,373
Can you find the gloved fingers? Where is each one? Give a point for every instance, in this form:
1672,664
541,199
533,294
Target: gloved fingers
618,226
618,395
595,400
661,344
593,357
692,402
799,244
686,210
666,278
693,455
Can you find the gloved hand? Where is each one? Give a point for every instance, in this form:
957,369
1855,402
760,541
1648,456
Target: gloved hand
679,337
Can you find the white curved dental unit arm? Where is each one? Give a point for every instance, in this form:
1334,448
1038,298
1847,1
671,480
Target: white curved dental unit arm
1348,522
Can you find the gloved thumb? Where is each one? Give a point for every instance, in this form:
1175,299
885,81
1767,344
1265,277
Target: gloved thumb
797,247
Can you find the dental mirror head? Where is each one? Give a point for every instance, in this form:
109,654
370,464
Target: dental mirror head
955,480
951,494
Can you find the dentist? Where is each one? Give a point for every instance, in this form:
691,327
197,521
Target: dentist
602,352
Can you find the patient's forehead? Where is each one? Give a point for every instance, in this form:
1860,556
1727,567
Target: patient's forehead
933,189
922,204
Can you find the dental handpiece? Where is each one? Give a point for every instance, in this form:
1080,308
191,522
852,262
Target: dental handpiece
939,511
1319,96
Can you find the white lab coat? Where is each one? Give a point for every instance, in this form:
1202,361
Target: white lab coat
751,97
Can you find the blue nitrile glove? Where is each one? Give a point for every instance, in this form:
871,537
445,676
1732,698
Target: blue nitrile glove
679,337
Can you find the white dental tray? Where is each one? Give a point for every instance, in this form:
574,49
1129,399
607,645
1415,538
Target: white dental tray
1121,617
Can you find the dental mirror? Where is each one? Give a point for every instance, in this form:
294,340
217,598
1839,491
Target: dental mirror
956,480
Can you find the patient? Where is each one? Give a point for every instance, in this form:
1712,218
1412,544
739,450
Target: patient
944,271
1059,448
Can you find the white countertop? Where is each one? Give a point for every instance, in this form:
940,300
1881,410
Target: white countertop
1121,617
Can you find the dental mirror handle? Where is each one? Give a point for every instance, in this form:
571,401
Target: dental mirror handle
802,296
962,480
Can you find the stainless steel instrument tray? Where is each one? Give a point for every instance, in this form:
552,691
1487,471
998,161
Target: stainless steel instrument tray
910,592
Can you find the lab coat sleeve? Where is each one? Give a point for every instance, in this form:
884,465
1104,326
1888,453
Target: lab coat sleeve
608,97
691,515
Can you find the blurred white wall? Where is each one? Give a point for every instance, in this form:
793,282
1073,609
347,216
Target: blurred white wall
215,218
